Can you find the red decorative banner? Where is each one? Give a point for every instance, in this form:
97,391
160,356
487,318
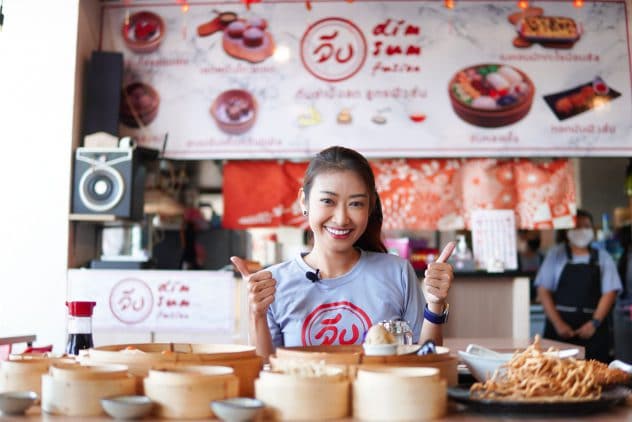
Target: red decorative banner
416,194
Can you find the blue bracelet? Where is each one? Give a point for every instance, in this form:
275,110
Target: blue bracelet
436,318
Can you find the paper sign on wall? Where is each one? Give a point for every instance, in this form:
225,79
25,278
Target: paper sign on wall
494,239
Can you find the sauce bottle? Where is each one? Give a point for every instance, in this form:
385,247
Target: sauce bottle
79,326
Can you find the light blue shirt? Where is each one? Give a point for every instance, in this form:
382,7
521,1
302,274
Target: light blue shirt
340,310
551,269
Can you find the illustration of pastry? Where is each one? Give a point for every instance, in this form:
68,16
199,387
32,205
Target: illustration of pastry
491,95
344,117
248,39
311,118
139,105
234,111
549,31
218,23
143,32
582,98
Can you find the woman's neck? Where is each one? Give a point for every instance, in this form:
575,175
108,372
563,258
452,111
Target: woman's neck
331,264
576,251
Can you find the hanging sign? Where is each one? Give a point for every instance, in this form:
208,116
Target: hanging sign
279,79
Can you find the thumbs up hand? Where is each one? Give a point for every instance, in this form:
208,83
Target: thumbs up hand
261,287
438,277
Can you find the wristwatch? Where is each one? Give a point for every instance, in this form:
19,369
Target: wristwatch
595,322
441,318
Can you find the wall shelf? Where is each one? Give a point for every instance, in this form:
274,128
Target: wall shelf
94,217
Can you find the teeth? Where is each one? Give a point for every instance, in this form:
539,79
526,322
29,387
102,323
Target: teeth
338,232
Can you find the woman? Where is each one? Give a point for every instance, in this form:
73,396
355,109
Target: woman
347,282
577,286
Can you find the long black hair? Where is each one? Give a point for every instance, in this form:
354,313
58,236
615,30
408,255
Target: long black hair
339,158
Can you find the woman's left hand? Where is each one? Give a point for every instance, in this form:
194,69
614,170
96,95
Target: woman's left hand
438,277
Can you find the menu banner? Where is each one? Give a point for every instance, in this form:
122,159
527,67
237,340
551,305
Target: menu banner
279,79
158,301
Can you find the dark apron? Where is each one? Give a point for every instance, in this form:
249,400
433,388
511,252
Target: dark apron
576,298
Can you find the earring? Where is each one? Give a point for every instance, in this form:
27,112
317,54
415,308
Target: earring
305,212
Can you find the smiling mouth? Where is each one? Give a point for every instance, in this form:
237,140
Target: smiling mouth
338,232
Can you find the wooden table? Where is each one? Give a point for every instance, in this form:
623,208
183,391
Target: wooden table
28,339
456,412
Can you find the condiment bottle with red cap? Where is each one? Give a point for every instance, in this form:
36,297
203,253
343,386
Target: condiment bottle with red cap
79,326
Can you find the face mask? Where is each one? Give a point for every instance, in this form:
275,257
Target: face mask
580,238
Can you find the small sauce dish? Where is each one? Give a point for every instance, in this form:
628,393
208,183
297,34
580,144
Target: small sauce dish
17,402
127,407
237,409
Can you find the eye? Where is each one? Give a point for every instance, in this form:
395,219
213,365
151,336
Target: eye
327,201
357,204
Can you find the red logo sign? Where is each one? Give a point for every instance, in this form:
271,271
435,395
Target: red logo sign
333,49
131,301
335,323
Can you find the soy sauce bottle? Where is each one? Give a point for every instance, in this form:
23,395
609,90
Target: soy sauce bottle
79,326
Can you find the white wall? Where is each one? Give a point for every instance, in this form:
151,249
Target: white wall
38,47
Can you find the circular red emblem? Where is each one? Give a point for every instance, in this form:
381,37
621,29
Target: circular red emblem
131,301
335,323
333,49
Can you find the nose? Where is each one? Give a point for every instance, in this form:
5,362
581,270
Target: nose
341,215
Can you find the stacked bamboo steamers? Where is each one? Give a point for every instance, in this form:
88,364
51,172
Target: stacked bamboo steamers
307,383
332,382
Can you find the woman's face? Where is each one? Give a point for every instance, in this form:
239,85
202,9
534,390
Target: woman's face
338,207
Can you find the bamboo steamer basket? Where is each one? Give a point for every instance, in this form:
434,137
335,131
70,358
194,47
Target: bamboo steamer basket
186,392
24,372
352,356
399,394
339,355
442,360
140,358
74,390
290,397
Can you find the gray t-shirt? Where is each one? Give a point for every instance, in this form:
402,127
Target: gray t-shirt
340,310
551,269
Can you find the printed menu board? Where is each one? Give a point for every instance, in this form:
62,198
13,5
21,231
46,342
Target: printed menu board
284,79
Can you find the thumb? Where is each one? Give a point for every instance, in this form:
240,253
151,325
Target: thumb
446,252
241,266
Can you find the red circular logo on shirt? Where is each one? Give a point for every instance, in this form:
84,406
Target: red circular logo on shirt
335,323
333,49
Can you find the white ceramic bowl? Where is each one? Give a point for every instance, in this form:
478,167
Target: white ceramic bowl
482,367
127,407
237,409
16,403
380,349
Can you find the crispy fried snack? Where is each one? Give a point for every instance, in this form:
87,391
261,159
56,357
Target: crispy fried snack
608,376
536,375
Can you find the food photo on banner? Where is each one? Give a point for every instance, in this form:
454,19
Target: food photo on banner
285,79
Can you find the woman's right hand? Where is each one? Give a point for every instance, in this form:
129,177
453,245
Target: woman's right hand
564,330
261,287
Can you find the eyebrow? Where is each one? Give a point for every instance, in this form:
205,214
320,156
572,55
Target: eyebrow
356,195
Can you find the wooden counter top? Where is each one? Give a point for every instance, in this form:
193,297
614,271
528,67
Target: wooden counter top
17,339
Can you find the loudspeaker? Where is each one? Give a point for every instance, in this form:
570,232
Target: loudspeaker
109,181
104,82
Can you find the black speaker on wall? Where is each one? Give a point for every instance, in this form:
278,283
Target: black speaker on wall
103,93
